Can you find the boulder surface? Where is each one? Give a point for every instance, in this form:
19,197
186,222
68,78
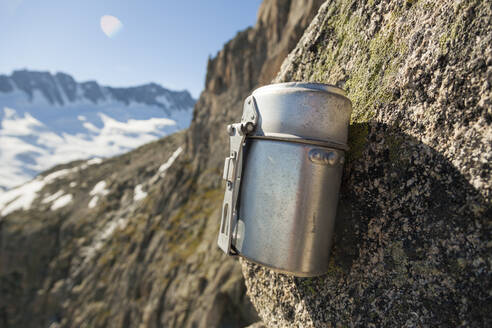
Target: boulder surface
413,233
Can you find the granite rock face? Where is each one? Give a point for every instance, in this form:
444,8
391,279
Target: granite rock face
413,233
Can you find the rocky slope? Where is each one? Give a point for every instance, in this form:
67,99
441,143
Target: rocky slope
413,236
48,119
131,241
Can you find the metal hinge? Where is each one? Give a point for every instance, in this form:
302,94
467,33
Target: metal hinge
232,172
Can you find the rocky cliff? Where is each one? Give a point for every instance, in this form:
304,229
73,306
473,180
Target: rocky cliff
131,241
413,235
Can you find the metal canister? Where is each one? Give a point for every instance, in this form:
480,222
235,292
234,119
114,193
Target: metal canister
283,177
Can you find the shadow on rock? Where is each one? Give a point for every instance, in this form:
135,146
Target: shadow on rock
410,243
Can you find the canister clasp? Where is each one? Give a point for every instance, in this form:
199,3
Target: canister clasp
232,172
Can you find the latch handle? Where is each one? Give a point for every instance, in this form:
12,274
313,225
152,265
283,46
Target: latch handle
232,172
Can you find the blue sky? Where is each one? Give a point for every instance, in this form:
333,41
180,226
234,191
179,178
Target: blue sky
161,41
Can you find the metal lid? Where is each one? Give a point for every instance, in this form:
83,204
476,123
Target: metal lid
303,111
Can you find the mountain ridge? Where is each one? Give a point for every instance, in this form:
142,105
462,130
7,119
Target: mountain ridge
48,119
61,88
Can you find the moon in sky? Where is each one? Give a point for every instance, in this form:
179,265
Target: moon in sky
110,25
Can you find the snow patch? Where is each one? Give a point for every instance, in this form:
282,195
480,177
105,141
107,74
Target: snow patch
138,193
35,136
163,100
99,189
93,202
59,174
107,231
20,197
61,202
23,196
164,167
95,160
19,126
97,192
53,197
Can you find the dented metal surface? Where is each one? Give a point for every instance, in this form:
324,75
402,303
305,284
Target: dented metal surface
283,177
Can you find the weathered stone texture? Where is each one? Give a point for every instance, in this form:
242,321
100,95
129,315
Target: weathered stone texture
413,238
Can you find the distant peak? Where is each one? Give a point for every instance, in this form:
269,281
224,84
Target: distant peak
60,88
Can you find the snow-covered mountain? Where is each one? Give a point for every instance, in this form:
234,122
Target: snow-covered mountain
48,119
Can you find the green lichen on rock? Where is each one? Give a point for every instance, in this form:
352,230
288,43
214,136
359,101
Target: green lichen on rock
368,78
357,140
413,221
183,239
